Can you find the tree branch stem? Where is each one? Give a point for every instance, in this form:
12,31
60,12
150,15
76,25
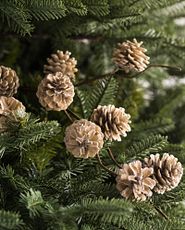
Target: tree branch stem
113,158
103,166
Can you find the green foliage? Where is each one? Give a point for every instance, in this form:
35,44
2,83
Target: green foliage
45,10
16,16
152,126
10,220
33,201
42,185
148,145
103,93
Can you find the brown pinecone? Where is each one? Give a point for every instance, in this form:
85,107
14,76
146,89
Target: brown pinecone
9,81
114,122
135,182
11,110
55,92
61,62
167,171
130,56
83,139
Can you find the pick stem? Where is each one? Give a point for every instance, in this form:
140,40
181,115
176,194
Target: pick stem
103,166
113,158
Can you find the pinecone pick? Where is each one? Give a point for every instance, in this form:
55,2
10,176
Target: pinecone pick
61,62
9,81
83,139
130,56
168,171
135,182
11,110
55,92
114,122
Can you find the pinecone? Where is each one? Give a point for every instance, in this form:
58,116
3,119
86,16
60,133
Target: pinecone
55,92
11,110
61,62
135,182
167,171
9,81
130,56
83,139
114,122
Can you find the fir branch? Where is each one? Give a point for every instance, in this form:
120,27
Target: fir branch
10,220
97,8
74,6
103,93
153,126
33,133
148,145
16,15
46,9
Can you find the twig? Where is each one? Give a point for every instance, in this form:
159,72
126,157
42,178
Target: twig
160,212
73,114
113,158
87,81
103,166
177,68
67,114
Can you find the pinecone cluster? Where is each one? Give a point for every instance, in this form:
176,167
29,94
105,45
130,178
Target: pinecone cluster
85,138
61,62
130,56
11,110
168,171
159,174
56,90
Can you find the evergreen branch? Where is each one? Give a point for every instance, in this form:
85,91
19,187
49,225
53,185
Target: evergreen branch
153,126
10,220
33,133
16,16
103,93
33,201
76,7
107,211
46,9
16,181
176,99
97,8
148,145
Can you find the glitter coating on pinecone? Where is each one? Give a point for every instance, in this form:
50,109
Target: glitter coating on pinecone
134,182
130,56
9,81
61,62
114,122
83,139
55,92
168,171
11,110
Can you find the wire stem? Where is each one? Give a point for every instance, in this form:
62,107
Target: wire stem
88,81
73,114
67,114
177,68
160,212
103,166
155,66
113,158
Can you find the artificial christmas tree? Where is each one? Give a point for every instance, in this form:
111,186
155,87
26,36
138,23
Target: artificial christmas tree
118,74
